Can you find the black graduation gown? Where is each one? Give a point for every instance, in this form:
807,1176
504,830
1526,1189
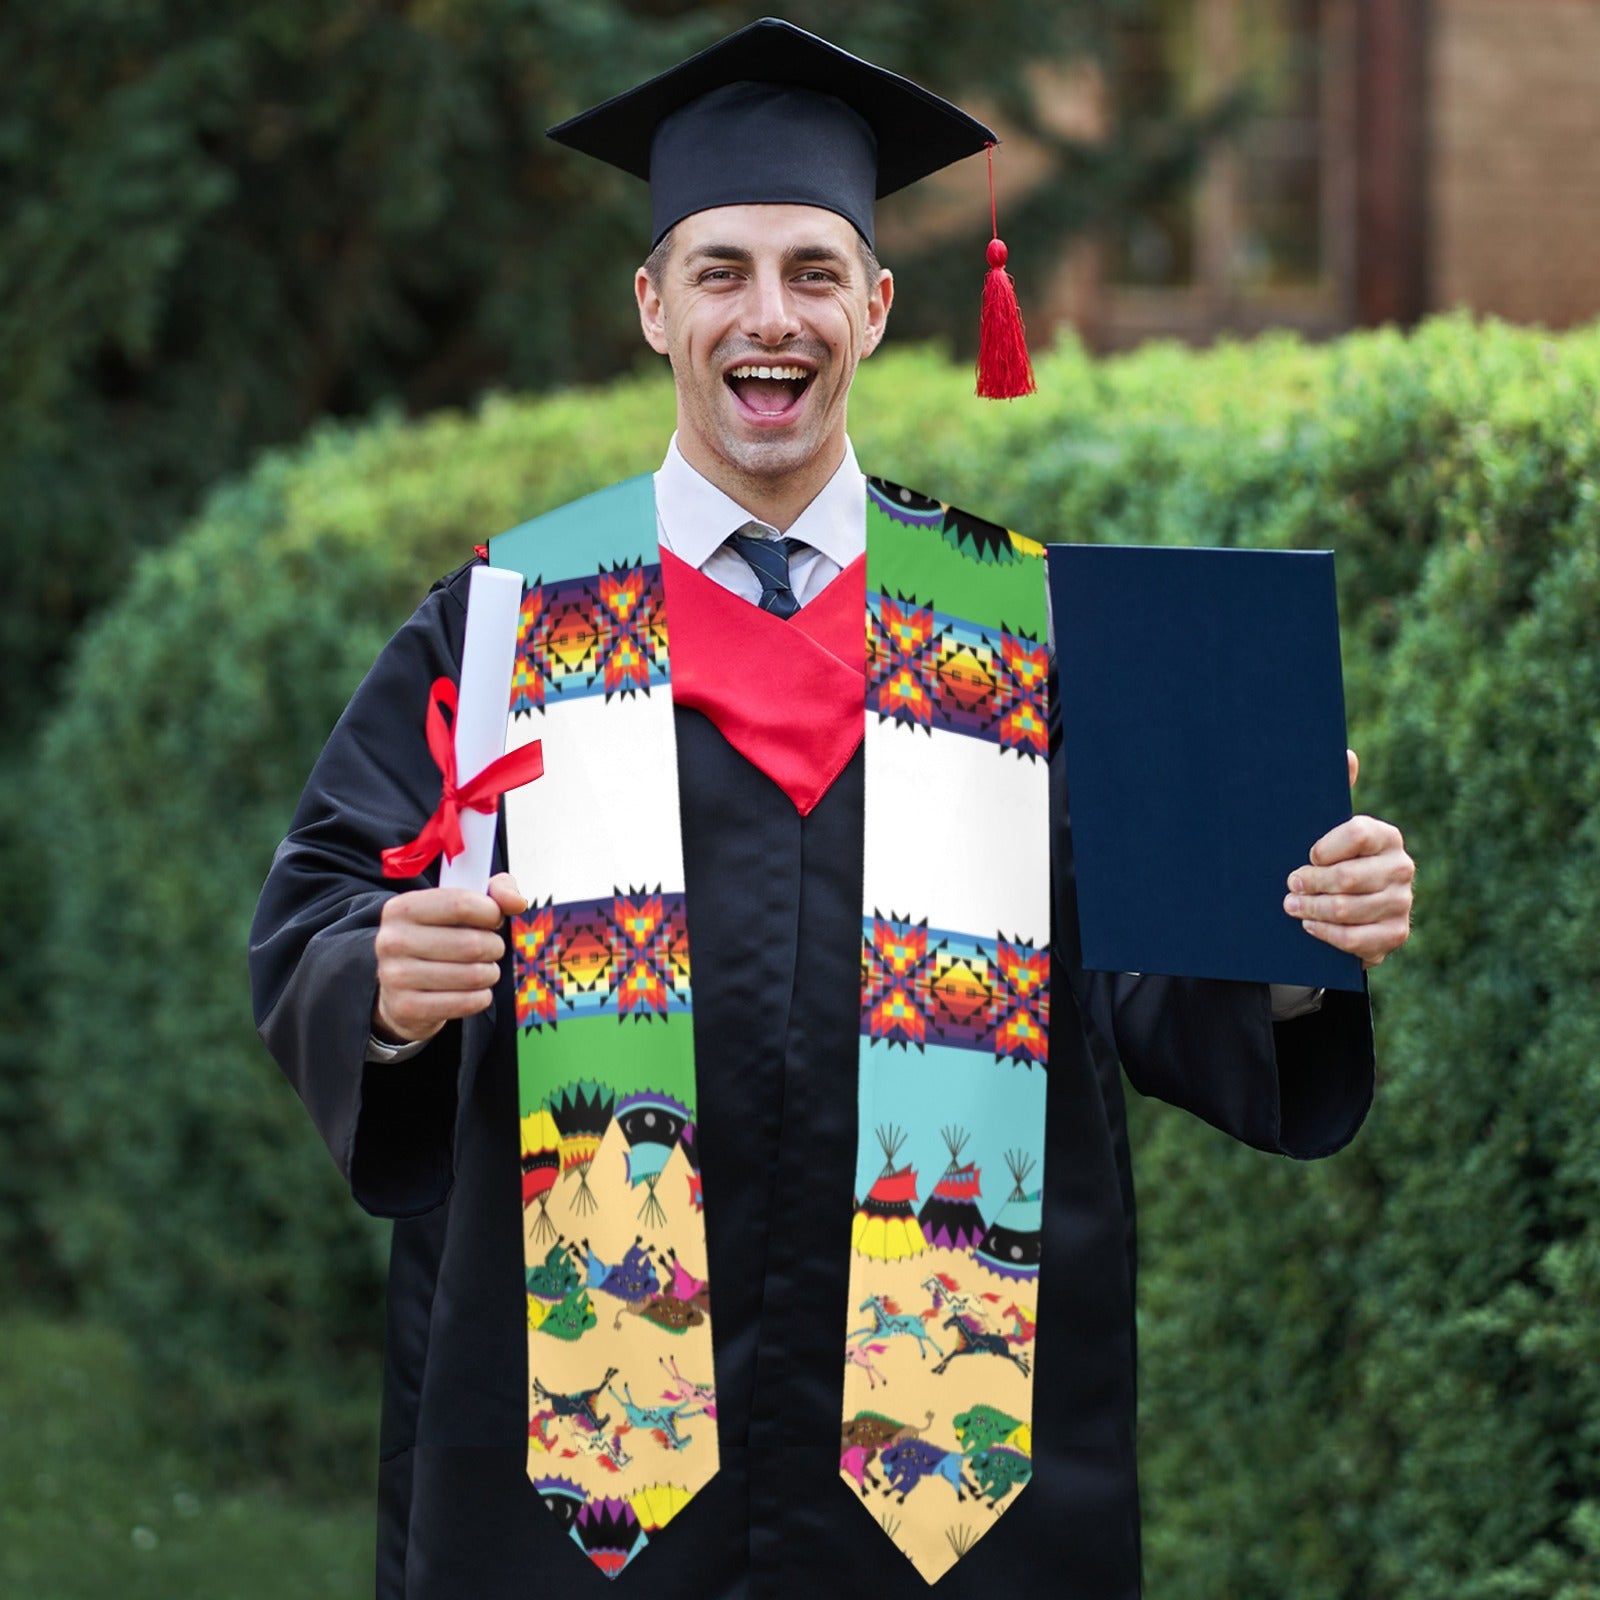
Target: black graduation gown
775,907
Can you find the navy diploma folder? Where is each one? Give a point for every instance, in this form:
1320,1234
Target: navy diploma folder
1202,715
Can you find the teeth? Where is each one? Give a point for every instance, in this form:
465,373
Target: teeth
798,374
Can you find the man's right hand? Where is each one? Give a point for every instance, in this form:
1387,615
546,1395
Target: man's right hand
439,954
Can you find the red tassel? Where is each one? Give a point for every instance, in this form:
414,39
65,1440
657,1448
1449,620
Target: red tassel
1004,370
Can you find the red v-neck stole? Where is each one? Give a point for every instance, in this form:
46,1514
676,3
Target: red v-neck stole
789,696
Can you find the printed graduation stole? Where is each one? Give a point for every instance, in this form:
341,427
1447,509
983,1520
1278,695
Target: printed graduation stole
945,1234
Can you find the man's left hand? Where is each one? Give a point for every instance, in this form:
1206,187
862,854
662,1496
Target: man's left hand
1355,893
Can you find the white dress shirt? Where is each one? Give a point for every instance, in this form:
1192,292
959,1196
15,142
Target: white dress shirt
693,520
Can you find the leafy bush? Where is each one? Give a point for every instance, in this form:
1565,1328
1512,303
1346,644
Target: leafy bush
1377,1377
1374,1377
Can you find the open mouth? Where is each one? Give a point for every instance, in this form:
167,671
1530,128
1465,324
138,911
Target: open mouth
769,391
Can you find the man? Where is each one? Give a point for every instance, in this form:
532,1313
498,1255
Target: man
397,1015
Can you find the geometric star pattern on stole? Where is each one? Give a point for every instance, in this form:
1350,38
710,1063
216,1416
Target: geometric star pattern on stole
921,987
932,671
595,635
626,954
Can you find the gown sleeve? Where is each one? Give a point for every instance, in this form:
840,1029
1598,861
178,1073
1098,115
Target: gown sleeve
1300,1088
390,1127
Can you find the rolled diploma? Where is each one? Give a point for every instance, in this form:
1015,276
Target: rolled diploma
494,600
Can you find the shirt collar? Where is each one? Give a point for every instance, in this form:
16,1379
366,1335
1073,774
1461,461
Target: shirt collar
696,517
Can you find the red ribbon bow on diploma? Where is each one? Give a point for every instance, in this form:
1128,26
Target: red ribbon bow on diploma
442,831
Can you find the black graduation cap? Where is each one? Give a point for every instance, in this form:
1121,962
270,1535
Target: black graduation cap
774,115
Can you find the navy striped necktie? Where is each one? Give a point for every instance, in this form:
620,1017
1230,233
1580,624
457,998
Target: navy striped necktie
769,560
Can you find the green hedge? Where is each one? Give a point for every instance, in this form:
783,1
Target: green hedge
1378,1377
1375,1377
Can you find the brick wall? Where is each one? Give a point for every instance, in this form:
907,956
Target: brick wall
1514,162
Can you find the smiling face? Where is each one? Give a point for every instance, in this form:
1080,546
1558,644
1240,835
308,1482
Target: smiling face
764,311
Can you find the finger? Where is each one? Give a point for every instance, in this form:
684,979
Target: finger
1389,903
425,941
1357,875
1360,836
504,892
445,908
435,977
414,1016
1353,761
1371,942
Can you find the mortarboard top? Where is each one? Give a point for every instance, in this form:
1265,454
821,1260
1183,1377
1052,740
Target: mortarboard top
773,115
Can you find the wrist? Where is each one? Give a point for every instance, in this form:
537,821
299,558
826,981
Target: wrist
386,1031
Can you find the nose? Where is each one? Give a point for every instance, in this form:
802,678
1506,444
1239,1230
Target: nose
771,316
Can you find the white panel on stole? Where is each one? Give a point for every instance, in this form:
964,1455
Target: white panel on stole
597,820
956,785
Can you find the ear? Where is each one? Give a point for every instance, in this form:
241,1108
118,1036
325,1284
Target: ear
652,314
879,300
